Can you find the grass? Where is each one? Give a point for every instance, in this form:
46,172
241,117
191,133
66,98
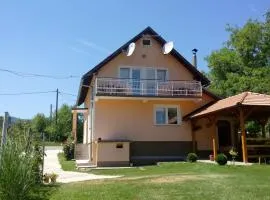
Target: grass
67,165
173,181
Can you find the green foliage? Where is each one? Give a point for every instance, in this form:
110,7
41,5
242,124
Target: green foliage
69,149
221,159
39,123
64,123
18,164
243,63
253,128
192,157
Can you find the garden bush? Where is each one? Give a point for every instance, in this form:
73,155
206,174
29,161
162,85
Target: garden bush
221,159
18,170
68,150
192,157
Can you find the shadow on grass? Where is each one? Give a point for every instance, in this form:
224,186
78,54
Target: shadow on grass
43,192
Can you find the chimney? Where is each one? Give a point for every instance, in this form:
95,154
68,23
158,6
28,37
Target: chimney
194,51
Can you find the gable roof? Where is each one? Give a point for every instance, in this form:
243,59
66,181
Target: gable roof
245,98
86,78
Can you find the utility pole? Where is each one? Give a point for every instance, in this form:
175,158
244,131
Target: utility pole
56,106
5,127
51,113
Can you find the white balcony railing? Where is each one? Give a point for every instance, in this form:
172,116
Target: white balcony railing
134,87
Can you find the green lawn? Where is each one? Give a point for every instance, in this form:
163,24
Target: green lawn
173,181
67,165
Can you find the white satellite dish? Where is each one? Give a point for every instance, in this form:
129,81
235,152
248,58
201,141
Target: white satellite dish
167,48
131,48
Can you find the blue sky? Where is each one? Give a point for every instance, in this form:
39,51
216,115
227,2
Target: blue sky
67,37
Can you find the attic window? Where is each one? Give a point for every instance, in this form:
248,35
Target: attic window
146,42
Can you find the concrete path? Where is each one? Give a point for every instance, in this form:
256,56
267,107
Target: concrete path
228,163
51,164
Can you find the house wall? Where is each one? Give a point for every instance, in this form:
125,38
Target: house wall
109,155
153,58
134,120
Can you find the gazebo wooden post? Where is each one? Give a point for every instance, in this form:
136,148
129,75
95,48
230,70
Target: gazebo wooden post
193,136
214,137
214,143
74,125
243,135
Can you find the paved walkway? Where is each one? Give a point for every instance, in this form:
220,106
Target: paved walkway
51,164
228,163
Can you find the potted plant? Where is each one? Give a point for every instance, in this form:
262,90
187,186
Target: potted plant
53,177
211,157
234,154
46,178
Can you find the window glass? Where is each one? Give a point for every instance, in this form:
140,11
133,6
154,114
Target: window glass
160,116
161,75
146,42
124,72
172,116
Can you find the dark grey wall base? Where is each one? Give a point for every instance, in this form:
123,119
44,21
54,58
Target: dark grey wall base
113,163
151,152
204,154
168,148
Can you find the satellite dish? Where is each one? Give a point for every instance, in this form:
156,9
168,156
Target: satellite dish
167,48
131,48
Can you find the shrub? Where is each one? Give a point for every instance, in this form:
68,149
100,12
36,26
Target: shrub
17,177
68,150
192,157
221,159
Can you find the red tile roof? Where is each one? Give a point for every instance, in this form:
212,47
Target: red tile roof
245,98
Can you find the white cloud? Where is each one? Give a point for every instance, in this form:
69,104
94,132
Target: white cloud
79,51
252,8
94,46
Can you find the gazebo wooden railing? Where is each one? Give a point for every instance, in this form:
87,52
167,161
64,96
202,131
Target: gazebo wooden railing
258,148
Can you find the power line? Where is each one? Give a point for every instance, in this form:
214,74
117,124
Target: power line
25,93
65,93
25,74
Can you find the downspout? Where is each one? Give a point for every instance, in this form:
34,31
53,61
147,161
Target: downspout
92,106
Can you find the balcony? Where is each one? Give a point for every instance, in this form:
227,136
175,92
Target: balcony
116,87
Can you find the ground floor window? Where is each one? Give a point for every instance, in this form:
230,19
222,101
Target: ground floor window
167,115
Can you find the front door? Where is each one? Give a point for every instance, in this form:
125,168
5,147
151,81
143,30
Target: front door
224,134
136,81
150,82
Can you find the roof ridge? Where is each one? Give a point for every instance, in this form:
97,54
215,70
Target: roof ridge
243,98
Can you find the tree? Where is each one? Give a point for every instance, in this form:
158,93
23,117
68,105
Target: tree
243,63
64,123
39,123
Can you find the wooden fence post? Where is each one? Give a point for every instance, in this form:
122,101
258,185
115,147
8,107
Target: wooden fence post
4,130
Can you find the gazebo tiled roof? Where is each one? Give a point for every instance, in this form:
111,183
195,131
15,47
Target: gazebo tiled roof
245,98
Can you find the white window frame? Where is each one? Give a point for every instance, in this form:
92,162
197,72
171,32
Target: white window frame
142,69
179,116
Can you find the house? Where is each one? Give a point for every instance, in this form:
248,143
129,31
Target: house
139,108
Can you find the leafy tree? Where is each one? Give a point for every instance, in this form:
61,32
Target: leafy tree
243,63
64,123
39,123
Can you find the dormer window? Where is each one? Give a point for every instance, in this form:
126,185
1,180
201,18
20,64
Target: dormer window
146,42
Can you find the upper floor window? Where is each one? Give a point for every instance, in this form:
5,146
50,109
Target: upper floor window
149,73
162,74
167,115
146,42
125,73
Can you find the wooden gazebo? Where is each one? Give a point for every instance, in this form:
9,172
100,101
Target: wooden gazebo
242,107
